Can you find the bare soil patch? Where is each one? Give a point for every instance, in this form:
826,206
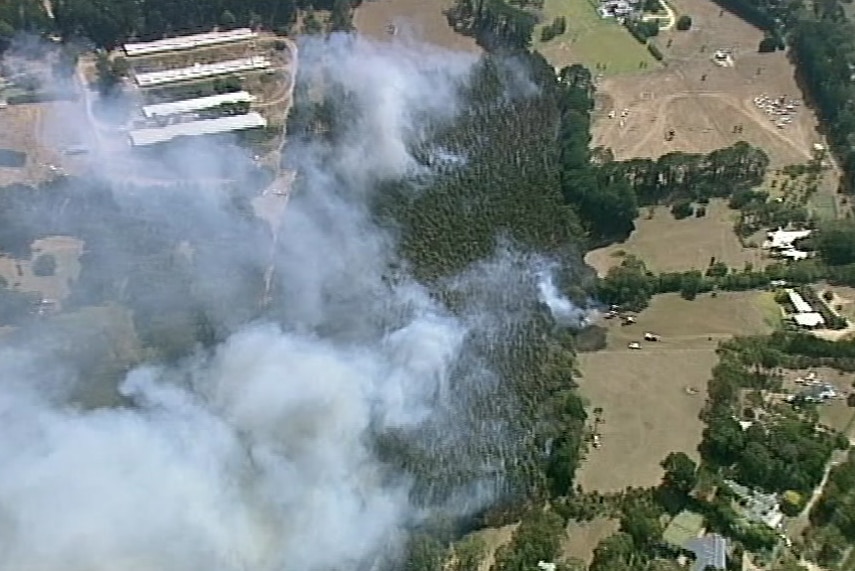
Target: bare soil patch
647,409
494,538
415,19
666,244
65,250
583,537
25,129
703,102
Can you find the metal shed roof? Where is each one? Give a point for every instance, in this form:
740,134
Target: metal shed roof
144,137
201,71
197,104
188,42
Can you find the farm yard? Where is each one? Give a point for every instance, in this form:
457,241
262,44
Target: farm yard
666,244
601,44
651,397
707,105
421,20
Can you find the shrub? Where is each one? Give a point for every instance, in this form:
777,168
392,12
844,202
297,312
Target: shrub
655,52
684,22
44,265
682,210
767,44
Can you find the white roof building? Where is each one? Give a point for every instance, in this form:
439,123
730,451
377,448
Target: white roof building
799,303
783,239
809,320
188,42
145,137
793,254
197,104
202,71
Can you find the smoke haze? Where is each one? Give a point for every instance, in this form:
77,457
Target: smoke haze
261,454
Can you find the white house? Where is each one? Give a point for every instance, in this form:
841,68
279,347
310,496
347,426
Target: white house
783,239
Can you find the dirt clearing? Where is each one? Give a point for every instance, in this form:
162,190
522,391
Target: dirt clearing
669,245
583,537
421,20
647,409
66,253
704,102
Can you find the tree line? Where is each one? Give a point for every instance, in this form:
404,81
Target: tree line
108,23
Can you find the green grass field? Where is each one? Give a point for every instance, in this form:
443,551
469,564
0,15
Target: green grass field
591,40
823,206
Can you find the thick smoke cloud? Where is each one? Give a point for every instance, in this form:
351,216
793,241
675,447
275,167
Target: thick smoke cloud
260,454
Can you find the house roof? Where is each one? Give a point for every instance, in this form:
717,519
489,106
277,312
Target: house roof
710,551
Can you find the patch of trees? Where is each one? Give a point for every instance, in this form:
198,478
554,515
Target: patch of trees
109,23
495,24
642,30
834,514
507,193
778,452
556,28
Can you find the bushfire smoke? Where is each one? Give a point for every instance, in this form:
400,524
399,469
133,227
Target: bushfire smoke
261,453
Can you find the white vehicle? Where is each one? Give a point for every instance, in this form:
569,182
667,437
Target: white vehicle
634,345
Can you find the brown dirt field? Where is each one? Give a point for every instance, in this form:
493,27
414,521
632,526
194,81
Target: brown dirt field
494,538
418,19
704,113
67,252
646,408
23,130
582,538
666,244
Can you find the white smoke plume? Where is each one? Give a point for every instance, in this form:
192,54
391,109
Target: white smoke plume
258,455
564,311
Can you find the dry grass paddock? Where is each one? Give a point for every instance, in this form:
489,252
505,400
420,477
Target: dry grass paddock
421,20
66,250
582,538
647,409
666,244
703,102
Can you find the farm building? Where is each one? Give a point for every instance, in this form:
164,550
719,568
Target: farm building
188,42
783,239
799,303
710,552
202,71
809,320
197,104
153,136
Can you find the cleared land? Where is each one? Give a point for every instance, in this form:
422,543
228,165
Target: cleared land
602,45
666,244
27,129
65,250
646,407
413,19
703,102
583,537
